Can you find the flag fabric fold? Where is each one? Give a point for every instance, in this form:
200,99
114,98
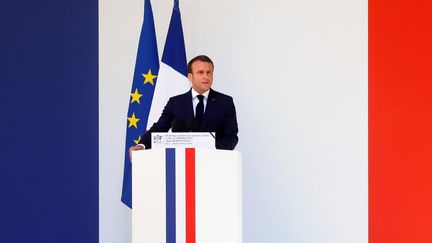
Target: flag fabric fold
143,87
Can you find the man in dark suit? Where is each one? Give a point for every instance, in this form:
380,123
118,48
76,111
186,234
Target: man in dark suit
212,111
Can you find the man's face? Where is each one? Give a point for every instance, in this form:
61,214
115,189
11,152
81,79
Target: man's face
201,76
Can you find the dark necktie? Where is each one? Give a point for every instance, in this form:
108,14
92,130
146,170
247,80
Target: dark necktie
199,112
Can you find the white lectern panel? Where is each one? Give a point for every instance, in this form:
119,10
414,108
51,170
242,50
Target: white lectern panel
218,196
148,196
217,187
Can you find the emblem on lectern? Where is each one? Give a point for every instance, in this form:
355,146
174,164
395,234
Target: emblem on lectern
157,139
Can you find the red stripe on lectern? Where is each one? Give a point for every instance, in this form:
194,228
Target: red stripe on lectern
190,195
400,121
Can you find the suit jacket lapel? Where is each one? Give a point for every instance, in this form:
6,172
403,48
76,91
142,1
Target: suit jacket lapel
187,100
211,103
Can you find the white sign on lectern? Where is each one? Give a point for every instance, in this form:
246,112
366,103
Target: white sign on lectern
183,140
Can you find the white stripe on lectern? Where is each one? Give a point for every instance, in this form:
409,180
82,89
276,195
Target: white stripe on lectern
180,196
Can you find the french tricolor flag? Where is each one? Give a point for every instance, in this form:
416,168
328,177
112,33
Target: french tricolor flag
172,78
187,196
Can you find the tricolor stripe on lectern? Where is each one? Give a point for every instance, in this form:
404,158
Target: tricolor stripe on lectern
190,195
170,195
189,190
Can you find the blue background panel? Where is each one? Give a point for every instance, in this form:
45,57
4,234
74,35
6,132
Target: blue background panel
49,121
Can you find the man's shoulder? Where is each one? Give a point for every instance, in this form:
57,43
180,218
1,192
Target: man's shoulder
186,95
214,95
219,96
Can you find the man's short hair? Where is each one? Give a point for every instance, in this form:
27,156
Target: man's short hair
202,58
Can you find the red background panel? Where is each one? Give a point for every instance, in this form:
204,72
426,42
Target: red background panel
400,121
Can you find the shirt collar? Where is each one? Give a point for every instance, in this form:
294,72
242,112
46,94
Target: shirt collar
195,94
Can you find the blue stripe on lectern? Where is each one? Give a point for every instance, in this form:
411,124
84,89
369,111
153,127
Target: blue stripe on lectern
170,196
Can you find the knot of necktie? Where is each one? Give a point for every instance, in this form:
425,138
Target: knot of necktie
201,98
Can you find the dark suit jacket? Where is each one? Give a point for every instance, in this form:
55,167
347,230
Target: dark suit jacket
219,117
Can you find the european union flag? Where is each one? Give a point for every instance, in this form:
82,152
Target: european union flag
143,84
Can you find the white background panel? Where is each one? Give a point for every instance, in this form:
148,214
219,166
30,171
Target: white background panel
297,71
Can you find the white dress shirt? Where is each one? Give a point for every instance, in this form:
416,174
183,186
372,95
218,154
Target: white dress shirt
195,99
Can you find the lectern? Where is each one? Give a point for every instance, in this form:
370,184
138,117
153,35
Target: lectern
186,195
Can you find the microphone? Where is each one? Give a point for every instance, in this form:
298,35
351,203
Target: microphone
178,125
192,125
185,125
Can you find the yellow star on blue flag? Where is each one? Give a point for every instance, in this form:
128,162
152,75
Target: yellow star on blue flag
136,96
149,77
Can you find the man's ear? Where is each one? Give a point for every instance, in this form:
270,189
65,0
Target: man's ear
190,76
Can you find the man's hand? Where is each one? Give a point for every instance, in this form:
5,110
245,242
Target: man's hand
135,148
